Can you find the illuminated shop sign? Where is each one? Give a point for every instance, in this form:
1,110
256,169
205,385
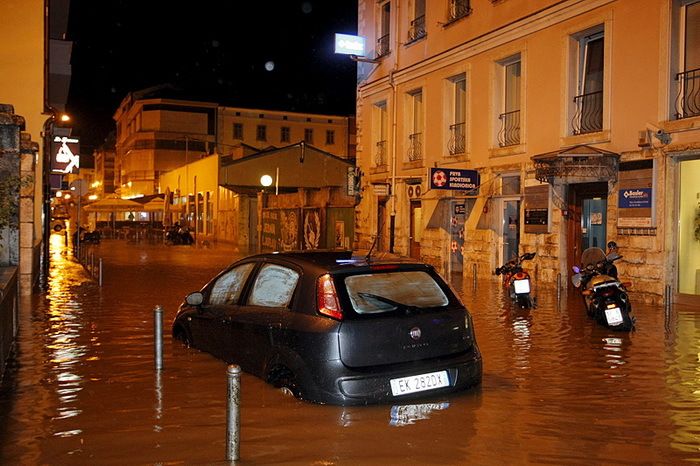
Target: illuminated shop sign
65,155
349,45
636,198
450,178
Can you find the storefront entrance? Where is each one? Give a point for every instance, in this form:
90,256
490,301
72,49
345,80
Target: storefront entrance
416,229
689,232
510,229
586,219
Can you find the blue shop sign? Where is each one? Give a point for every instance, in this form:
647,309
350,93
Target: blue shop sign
633,198
450,178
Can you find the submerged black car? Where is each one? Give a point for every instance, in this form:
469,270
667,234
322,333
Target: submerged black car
331,328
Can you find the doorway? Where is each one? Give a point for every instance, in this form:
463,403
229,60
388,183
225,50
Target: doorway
510,229
380,240
416,229
688,235
586,219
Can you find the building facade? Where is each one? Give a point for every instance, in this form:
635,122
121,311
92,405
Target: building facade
155,135
575,125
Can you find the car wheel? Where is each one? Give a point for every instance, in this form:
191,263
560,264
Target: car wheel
285,380
181,334
57,228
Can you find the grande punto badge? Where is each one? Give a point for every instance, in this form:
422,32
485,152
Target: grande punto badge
415,333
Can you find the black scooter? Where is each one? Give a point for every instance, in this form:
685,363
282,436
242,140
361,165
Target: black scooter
604,295
516,280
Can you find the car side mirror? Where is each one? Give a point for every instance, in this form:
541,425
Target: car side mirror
195,299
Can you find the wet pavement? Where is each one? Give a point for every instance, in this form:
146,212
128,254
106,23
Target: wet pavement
557,388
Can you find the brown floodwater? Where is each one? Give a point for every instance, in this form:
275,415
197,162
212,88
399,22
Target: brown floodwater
557,388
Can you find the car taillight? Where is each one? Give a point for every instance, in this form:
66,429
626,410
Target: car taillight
327,298
384,267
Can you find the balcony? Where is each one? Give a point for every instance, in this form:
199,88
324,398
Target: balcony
688,99
509,134
589,113
457,139
458,9
383,46
417,29
380,154
415,147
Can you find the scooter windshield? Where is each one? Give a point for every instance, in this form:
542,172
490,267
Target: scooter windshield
592,256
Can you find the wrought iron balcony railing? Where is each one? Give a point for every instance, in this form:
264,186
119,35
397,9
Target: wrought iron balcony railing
688,99
383,45
415,147
380,154
417,29
589,113
458,9
457,139
509,135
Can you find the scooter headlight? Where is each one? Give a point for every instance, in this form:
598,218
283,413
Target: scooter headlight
521,286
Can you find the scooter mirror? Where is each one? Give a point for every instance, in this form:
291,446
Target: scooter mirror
576,280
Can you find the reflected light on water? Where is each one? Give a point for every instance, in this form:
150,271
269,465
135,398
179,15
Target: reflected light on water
404,415
64,332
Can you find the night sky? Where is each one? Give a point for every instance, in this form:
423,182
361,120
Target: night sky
275,55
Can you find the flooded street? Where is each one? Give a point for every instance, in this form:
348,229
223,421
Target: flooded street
557,388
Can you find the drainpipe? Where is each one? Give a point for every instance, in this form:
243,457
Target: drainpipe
392,83
392,218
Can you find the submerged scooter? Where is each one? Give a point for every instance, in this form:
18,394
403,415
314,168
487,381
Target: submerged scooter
604,295
516,280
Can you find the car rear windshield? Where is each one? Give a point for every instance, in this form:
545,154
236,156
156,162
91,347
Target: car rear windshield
374,293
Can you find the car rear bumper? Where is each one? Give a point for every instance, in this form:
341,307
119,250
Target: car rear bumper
345,386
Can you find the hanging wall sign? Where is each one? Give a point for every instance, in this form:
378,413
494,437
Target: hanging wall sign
536,208
635,200
65,155
451,178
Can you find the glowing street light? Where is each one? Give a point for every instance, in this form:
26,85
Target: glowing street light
266,180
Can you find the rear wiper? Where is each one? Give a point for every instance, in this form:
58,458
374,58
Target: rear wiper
391,302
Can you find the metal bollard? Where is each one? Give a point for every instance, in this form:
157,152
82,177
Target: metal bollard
100,273
474,274
233,415
158,318
558,288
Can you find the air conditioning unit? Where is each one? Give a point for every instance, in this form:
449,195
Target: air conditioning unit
414,191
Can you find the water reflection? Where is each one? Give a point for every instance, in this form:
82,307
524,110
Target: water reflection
557,387
63,334
403,415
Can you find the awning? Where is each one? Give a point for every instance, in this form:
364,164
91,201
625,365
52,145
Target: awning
577,164
113,204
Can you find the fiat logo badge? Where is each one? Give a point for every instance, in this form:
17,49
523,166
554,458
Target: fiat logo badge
415,333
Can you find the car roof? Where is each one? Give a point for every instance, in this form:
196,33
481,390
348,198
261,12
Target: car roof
333,259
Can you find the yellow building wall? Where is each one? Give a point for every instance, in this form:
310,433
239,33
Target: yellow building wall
22,73
202,177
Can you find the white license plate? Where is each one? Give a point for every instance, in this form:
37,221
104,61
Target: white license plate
419,383
613,316
521,286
